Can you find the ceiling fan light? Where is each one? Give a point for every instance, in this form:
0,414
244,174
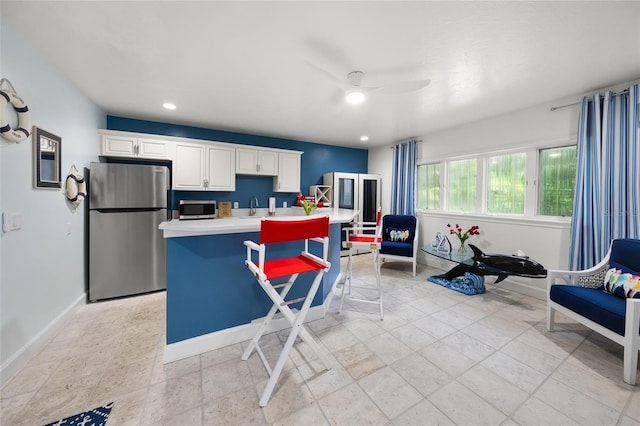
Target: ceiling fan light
355,97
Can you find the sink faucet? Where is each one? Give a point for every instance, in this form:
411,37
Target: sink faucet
252,208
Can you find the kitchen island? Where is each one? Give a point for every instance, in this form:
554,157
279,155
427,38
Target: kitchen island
212,298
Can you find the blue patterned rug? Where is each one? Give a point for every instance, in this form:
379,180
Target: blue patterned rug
96,417
470,284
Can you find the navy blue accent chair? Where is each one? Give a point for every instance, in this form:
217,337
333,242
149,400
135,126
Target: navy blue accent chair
580,295
399,239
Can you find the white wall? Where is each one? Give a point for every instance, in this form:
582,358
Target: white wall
544,241
42,268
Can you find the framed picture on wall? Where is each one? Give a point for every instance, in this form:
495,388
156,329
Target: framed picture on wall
47,153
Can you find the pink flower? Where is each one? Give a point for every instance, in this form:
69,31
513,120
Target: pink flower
464,236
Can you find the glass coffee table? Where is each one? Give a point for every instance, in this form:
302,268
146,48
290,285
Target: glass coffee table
482,264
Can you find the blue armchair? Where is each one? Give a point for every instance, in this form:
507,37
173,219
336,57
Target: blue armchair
399,239
581,295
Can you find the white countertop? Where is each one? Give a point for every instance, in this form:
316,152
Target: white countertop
239,224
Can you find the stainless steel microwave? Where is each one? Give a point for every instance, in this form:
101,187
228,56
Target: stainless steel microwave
197,209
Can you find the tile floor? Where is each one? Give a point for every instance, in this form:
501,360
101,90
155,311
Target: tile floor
438,357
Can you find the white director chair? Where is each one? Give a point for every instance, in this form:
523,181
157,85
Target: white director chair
363,236
280,231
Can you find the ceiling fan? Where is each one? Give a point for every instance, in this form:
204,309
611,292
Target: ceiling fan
355,92
354,86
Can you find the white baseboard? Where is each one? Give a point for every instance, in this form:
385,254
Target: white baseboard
529,286
21,358
230,336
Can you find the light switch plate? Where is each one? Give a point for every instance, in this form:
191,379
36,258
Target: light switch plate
11,221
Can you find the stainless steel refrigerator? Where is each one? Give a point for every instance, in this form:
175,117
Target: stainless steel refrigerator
127,253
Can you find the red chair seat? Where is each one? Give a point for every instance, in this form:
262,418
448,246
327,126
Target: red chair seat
364,238
293,265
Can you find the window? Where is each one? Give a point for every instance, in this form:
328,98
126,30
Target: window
429,186
506,179
462,183
557,180
531,181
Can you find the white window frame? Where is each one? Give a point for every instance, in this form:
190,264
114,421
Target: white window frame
532,196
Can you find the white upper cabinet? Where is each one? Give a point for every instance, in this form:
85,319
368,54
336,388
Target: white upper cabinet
251,161
199,165
153,148
203,167
288,178
189,166
133,147
221,168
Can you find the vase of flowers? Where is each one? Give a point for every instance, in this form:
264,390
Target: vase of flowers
308,206
463,236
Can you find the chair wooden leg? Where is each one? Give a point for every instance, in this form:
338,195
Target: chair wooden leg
376,266
551,316
296,329
631,341
347,280
268,390
630,364
267,319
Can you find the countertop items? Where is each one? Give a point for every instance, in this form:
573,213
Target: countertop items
239,224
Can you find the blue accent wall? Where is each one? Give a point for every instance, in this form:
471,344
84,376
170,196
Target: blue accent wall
209,288
316,160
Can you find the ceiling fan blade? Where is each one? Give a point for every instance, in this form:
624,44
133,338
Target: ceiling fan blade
406,86
327,74
366,89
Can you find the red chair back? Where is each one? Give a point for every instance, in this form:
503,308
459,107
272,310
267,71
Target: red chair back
281,231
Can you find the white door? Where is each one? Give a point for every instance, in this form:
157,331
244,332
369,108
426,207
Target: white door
150,148
222,171
268,163
288,179
189,167
246,161
119,146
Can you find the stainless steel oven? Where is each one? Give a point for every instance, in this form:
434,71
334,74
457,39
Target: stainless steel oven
197,209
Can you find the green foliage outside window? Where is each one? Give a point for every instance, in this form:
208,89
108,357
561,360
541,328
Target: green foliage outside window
557,181
506,180
505,186
462,185
429,186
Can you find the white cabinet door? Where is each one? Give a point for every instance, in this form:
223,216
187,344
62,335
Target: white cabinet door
118,146
256,162
268,163
288,179
246,161
189,166
131,147
152,148
221,174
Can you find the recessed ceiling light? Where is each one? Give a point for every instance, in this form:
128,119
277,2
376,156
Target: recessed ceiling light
169,105
355,98
364,138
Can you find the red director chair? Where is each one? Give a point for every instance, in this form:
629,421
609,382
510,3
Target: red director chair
363,236
280,231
